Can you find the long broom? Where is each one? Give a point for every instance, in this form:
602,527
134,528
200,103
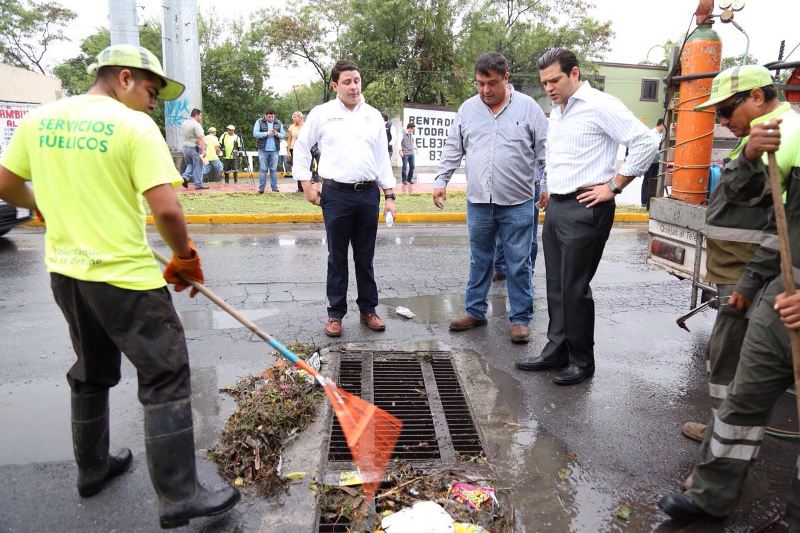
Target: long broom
786,259
371,432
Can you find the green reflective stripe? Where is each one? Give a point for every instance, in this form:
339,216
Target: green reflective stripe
771,242
718,391
733,432
721,233
742,452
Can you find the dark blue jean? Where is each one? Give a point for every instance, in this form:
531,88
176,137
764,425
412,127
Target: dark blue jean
512,224
351,218
499,256
407,172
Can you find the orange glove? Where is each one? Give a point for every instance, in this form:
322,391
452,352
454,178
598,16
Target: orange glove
178,269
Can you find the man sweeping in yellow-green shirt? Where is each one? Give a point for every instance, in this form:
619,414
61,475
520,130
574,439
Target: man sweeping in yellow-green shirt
93,159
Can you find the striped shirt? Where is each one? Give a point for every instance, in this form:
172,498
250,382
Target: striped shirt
584,138
502,150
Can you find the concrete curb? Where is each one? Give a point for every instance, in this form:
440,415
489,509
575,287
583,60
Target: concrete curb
306,218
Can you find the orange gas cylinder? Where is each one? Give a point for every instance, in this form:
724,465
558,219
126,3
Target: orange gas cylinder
695,130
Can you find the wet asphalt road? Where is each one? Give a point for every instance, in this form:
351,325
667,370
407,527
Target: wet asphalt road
617,435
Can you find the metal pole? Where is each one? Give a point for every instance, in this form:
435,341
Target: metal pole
181,49
124,22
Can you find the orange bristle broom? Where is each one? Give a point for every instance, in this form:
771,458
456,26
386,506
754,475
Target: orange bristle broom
371,432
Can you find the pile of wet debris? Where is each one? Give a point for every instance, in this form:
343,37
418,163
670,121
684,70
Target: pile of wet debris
272,408
447,499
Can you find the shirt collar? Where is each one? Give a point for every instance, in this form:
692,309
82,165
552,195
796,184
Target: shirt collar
508,102
356,108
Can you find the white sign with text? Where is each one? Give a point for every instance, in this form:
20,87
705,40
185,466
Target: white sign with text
432,128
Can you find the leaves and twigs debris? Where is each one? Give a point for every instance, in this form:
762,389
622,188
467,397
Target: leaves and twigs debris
623,512
271,409
406,486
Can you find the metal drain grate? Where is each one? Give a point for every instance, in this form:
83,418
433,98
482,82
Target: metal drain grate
399,388
466,441
421,389
349,380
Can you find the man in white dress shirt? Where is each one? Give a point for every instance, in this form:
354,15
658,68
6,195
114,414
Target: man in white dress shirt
586,128
354,166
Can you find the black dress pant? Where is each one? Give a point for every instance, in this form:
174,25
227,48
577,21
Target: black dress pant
574,238
351,218
105,320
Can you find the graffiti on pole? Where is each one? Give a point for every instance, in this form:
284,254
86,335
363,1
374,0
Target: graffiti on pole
176,111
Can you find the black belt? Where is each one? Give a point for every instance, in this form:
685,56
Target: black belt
568,196
573,194
357,186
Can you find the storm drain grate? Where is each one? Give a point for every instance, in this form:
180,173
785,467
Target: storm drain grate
399,388
421,389
349,380
466,441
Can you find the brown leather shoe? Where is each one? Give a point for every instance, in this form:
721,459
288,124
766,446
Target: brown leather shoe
694,430
466,322
373,322
520,333
334,327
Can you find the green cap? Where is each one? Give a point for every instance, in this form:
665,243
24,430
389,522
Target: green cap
735,80
128,55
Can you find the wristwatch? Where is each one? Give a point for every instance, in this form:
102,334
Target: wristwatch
389,196
614,187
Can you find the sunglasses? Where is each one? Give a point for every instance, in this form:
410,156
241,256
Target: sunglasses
727,111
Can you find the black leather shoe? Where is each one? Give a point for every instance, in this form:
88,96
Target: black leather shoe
572,375
538,363
681,507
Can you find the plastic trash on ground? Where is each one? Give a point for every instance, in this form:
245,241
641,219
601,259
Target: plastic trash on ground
422,517
404,311
475,497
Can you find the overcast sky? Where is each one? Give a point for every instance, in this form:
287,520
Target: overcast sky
638,25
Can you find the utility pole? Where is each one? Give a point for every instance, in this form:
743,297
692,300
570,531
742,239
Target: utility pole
124,22
180,43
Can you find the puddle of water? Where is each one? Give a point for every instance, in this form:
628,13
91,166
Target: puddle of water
205,319
39,413
552,491
436,309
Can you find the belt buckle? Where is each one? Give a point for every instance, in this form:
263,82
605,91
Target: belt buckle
359,185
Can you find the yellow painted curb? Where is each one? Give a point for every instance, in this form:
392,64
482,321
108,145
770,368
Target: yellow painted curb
306,218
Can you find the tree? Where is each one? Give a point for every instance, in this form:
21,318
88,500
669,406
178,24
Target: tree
523,30
742,59
233,72
29,29
309,33
408,48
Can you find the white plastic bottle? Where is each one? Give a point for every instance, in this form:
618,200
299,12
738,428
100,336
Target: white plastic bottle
389,219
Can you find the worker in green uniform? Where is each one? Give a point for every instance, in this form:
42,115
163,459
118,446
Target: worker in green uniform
764,372
92,159
736,223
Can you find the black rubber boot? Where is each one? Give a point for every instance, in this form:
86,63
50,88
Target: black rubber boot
169,438
90,444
